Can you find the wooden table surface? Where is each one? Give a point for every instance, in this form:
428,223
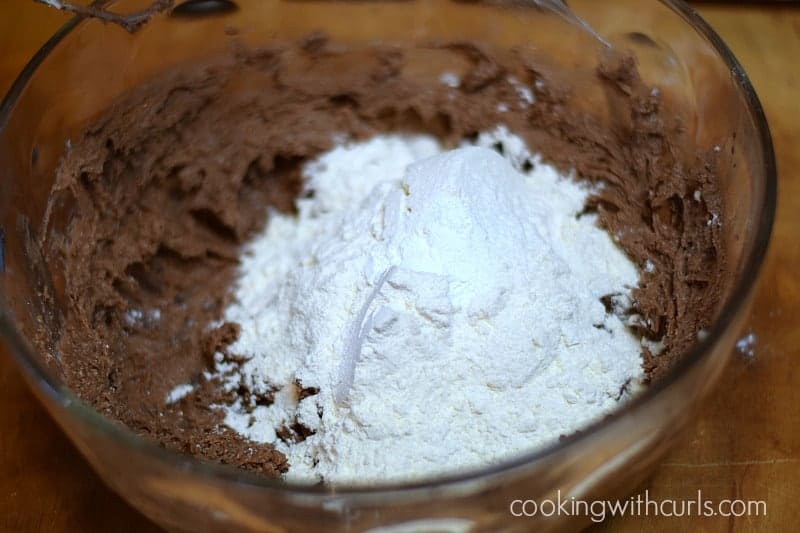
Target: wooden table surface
745,445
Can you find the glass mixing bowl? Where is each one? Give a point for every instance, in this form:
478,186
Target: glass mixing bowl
87,65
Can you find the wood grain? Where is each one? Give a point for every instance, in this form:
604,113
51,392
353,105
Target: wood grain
746,443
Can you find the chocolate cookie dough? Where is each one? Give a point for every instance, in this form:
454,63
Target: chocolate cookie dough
165,187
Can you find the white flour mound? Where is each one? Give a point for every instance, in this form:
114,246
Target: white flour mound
445,305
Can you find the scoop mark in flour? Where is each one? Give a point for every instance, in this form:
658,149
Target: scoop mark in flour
355,339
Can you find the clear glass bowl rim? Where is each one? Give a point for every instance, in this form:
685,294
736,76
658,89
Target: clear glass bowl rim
61,395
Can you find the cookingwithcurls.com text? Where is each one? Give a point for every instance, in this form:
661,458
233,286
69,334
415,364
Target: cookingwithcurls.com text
638,505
